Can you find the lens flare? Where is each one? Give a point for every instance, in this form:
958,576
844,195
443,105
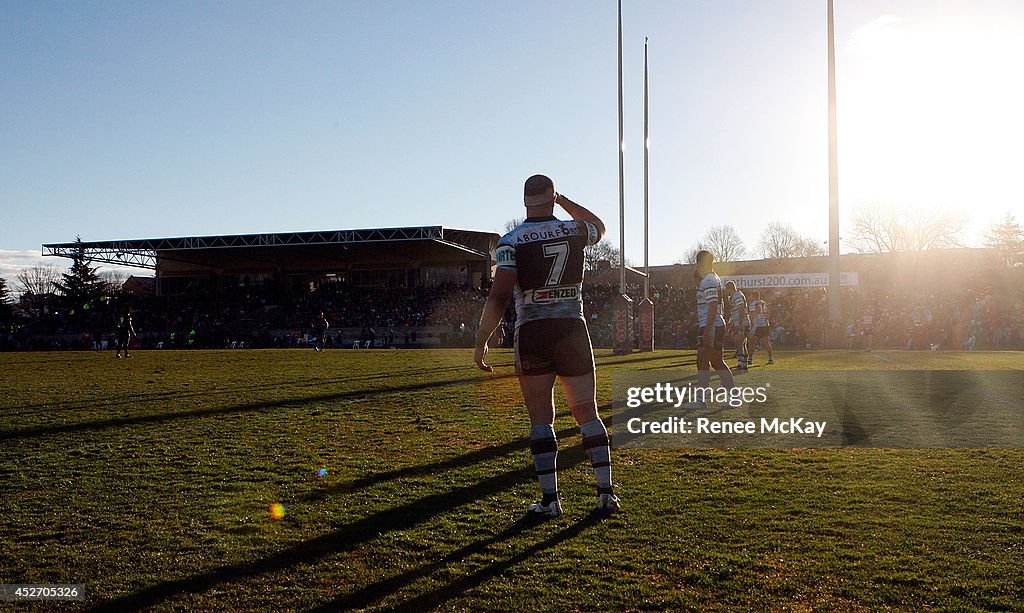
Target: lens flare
277,511
322,472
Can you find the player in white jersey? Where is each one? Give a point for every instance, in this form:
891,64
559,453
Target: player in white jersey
710,325
867,329
540,264
760,327
739,323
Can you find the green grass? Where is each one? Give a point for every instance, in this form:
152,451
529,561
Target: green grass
149,481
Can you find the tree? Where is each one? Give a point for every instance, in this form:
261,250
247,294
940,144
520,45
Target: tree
81,283
512,223
37,280
1007,238
808,247
5,303
690,257
113,280
878,229
779,241
724,243
604,251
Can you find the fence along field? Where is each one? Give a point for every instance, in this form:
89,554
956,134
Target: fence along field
402,477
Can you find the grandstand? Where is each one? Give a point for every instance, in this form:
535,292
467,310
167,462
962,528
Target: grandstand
380,257
425,286
409,286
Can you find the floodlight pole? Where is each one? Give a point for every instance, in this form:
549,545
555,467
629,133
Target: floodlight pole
834,297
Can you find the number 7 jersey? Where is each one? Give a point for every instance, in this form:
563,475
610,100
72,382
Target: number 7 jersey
547,256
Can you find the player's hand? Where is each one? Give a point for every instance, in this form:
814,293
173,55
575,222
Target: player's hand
480,357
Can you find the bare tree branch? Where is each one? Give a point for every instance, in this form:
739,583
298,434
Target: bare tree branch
39,280
880,229
603,251
724,242
113,279
513,223
690,257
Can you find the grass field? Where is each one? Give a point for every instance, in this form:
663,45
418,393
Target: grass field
150,481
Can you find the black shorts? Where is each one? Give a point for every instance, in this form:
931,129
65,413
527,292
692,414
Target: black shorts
717,342
762,331
742,329
560,346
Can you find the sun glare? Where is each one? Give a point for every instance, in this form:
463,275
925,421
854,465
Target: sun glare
929,115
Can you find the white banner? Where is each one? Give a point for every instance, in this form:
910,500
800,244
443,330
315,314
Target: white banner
800,279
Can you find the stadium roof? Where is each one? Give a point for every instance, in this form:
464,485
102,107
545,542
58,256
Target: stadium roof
143,253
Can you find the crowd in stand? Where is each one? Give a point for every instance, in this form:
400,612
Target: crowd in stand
258,317
263,317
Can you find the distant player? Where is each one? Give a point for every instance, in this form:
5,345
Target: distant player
710,326
867,329
320,327
760,327
125,334
540,264
738,327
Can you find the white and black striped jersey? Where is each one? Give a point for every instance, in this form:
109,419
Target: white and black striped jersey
547,255
710,291
759,312
738,311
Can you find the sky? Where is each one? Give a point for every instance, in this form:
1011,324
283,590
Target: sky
153,119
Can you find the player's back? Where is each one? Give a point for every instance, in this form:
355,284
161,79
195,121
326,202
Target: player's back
759,311
710,291
739,308
547,255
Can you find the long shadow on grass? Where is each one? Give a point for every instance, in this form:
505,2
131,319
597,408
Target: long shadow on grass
456,588
370,594
103,424
113,422
484,454
366,596
461,461
136,399
347,537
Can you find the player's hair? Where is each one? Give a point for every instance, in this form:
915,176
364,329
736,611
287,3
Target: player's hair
704,256
537,185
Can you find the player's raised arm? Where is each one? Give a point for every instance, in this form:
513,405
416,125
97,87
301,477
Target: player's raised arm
580,213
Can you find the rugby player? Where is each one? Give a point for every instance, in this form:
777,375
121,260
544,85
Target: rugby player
125,333
867,329
320,327
540,264
739,323
710,326
760,326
